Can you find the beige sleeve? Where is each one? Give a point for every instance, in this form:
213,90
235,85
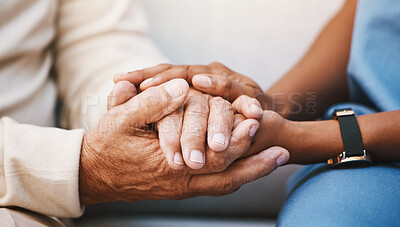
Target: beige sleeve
39,168
96,40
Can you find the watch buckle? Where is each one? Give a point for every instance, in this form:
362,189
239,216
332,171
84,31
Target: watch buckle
344,112
343,158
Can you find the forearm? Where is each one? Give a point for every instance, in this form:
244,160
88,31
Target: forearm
319,79
316,141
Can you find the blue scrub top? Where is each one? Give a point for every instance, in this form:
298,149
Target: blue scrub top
374,65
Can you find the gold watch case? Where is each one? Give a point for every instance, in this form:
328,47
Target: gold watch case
342,158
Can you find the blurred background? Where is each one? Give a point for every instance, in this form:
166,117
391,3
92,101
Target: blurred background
262,39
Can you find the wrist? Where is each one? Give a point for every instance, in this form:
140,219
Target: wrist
87,182
313,141
272,132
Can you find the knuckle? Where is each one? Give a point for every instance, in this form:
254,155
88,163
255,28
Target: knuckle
243,98
216,162
219,165
194,137
220,68
186,68
180,193
227,107
138,74
229,184
219,100
198,113
226,84
215,64
192,70
220,106
178,70
170,139
165,65
197,107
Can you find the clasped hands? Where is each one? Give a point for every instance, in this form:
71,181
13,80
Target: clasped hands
173,141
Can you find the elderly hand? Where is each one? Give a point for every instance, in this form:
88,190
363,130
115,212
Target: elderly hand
215,79
184,132
201,117
121,158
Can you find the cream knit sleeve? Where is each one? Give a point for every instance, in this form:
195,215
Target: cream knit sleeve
97,39
39,168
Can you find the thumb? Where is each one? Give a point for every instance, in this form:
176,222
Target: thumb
156,102
279,154
122,92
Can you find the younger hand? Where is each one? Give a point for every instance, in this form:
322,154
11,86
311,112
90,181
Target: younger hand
215,79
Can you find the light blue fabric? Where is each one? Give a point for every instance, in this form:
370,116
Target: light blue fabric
374,65
344,197
322,196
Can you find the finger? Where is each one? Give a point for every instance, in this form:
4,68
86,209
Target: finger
238,118
122,92
249,107
184,72
220,124
155,103
240,142
169,133
221,85
138,76
194,130
239,173
162,77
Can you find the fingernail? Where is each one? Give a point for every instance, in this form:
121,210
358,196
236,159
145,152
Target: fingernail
253,130
174,89
178,158
256,109
196,156
219,138
280,158
147,81
202,81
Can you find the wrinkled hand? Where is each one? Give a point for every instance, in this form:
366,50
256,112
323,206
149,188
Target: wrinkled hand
203,121
215,79
121,158
183,133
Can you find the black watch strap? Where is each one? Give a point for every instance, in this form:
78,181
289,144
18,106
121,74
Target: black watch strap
351,136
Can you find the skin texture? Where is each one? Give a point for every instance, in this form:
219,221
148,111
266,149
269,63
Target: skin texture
121,158
215,79
322,71
202,118
202,121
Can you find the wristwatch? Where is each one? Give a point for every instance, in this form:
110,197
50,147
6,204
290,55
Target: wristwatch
352,142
